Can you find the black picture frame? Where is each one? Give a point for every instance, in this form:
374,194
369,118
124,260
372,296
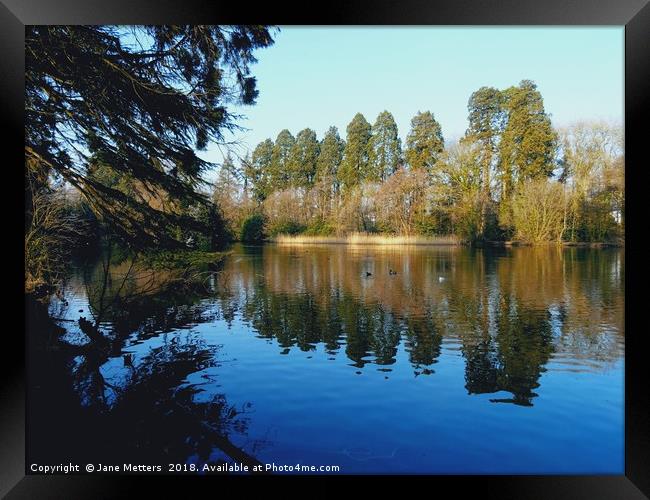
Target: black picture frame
633,14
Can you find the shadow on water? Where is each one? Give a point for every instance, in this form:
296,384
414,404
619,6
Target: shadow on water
506,312
104,398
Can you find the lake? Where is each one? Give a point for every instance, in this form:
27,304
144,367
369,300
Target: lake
375,359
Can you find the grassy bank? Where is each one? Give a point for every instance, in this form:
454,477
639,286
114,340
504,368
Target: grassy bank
384,239
366,239
577,244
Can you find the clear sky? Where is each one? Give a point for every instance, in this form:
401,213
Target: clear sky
321,76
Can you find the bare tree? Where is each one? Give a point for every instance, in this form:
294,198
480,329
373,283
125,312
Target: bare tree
540,211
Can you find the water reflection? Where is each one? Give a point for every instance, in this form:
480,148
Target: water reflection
510,310
154,383
129,371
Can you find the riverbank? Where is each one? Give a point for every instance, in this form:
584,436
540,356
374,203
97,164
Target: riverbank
576,244
366,239
450,240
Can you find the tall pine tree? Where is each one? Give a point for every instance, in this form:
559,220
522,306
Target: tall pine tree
259,169
302,159
279,173
385,147
486,121
331,154
424,142
528,144
354,166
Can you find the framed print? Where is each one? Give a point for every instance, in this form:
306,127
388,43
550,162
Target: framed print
386,242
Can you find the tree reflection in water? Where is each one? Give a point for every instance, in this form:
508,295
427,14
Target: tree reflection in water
508,309
508,313
131,384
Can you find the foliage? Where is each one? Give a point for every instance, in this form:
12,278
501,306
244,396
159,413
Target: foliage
259,170
466,188
284,207
487,119
354,165
456,190
279,174
424,142
232,197
139,101
528,143
319,227
302,159
285,227
385,148
357,210
330,156
217,234
540,209
527,147
252,229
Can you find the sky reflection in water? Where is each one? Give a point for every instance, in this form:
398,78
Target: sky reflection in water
465,361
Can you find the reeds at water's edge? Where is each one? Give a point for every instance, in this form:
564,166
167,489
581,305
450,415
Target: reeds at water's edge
367,239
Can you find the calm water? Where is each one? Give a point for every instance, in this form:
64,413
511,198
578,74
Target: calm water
464,361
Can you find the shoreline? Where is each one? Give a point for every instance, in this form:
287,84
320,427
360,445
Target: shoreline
451,240
567,244
366,239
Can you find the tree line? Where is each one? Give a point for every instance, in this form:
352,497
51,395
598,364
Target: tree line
116,116
511,176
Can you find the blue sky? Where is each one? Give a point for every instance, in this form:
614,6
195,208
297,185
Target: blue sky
320,76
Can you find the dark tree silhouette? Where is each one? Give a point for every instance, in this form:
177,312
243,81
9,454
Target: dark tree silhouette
140,100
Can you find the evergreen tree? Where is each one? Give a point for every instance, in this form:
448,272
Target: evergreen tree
527,147
227,190
354,166
303,157
331,154
528,143
327,165
95,96
279,172
385,148
486,121
228,167
424,142
260,168
245,171
227,183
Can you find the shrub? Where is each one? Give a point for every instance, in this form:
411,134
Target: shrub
320,227
214,234
252,229
285,227
426,225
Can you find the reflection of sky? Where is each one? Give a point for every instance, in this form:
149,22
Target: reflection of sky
319,406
